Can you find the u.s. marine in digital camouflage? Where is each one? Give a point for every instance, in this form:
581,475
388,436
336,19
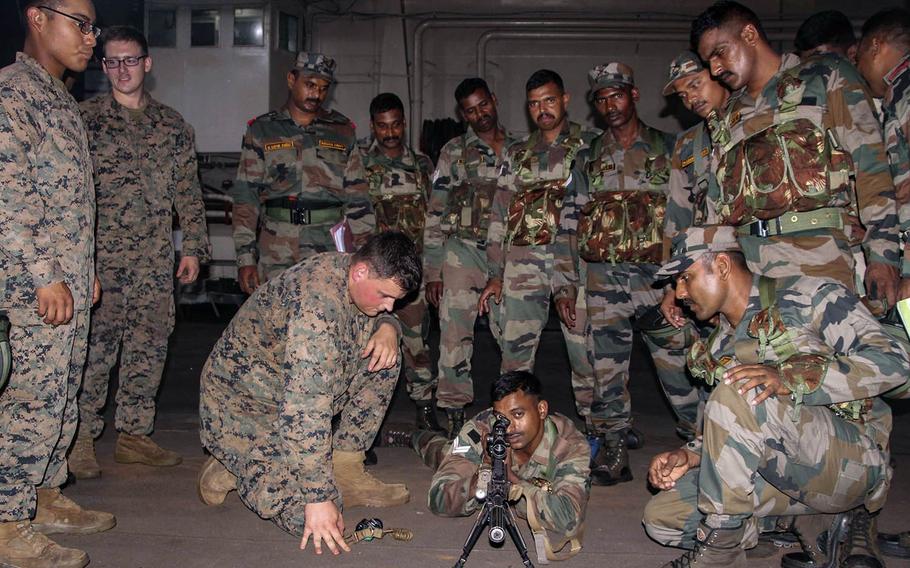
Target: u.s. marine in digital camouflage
288,192
397,181
799,158
795,424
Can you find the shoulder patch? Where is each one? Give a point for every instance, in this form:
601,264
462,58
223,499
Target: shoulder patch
332,145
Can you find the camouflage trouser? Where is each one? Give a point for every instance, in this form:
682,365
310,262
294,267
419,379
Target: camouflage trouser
526,292
820,254
38,409
260,458
464,275
418,370
617,294
134,318
431,448
282,245
757,462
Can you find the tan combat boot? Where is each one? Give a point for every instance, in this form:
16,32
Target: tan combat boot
141,449
359,488
22,547
214,482
58,513
82,462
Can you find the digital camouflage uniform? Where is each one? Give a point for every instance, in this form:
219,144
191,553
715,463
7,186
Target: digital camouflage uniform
896,116
823,449
819,103
521,244
145,169
398,189
287,363
47,227
561,460
455,241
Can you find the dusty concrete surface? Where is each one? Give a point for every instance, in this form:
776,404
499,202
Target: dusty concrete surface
161,523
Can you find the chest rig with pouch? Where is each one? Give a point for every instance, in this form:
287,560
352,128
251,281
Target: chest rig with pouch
399,197
470,201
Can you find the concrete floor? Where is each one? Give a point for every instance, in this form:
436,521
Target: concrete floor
161,523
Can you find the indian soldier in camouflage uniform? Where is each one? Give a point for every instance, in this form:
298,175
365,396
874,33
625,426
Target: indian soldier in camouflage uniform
397,180
523,225
884,60
298,353
455,240
613,221
828,31
145,169
289,183
799,158
794,425
547,464
47,282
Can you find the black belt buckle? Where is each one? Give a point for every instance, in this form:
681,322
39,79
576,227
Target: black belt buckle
300,216
759,229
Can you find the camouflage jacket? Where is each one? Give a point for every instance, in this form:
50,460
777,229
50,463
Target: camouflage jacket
896,116
634,183
398,189
562,459
145,169
283,159
47,201
828,348
286,361
827,91
464,183
693,188
529,162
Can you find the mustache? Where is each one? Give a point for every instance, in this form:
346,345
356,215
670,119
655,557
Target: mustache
314,101
725,75
391,138
543,115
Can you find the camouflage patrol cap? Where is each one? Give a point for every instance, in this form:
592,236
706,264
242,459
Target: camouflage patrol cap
690,244
315,65
614,74
685,64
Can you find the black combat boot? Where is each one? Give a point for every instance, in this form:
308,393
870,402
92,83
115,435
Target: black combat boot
821,538
635,439
455,420
611,463
426,416
714,547
860,547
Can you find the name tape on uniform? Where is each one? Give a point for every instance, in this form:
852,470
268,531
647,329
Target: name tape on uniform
285,145
332,145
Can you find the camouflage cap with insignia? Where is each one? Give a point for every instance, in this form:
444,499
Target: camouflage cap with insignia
690,244
315,64
614,74
685,64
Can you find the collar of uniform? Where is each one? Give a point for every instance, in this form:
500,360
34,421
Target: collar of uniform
40,72
322,115
116,109
407,157
645,136
542,454
472,139
896,71
742,97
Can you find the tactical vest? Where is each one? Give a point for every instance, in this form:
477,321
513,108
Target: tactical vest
533,217
399,199
771,163
803,373
624,225
469,204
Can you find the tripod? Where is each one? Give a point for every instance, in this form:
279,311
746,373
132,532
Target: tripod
497,513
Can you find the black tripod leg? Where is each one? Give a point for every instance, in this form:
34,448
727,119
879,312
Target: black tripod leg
479,524
509,522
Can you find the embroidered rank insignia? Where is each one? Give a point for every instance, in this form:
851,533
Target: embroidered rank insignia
705,152
687,162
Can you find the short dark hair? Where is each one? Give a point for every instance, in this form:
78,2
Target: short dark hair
827,27
392,255
124,33
24,5
515,381
720,14
542,77
736,257
384,102
467,87
891,25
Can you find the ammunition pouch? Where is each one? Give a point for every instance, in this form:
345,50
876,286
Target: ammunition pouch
404,212
468,210
622,226
6,356
534,213
547,551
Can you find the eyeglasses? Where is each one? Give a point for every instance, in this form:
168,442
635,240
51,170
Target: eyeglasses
85,26
114,63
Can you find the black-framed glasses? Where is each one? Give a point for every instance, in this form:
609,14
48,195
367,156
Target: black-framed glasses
85,26
114,63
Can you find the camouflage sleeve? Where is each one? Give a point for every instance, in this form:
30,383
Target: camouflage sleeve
897,134
433,237
863,360
565,248
358,207
854,122
679,212
499,213
453,485
22,207
188,198
245,193
390,319
563,507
